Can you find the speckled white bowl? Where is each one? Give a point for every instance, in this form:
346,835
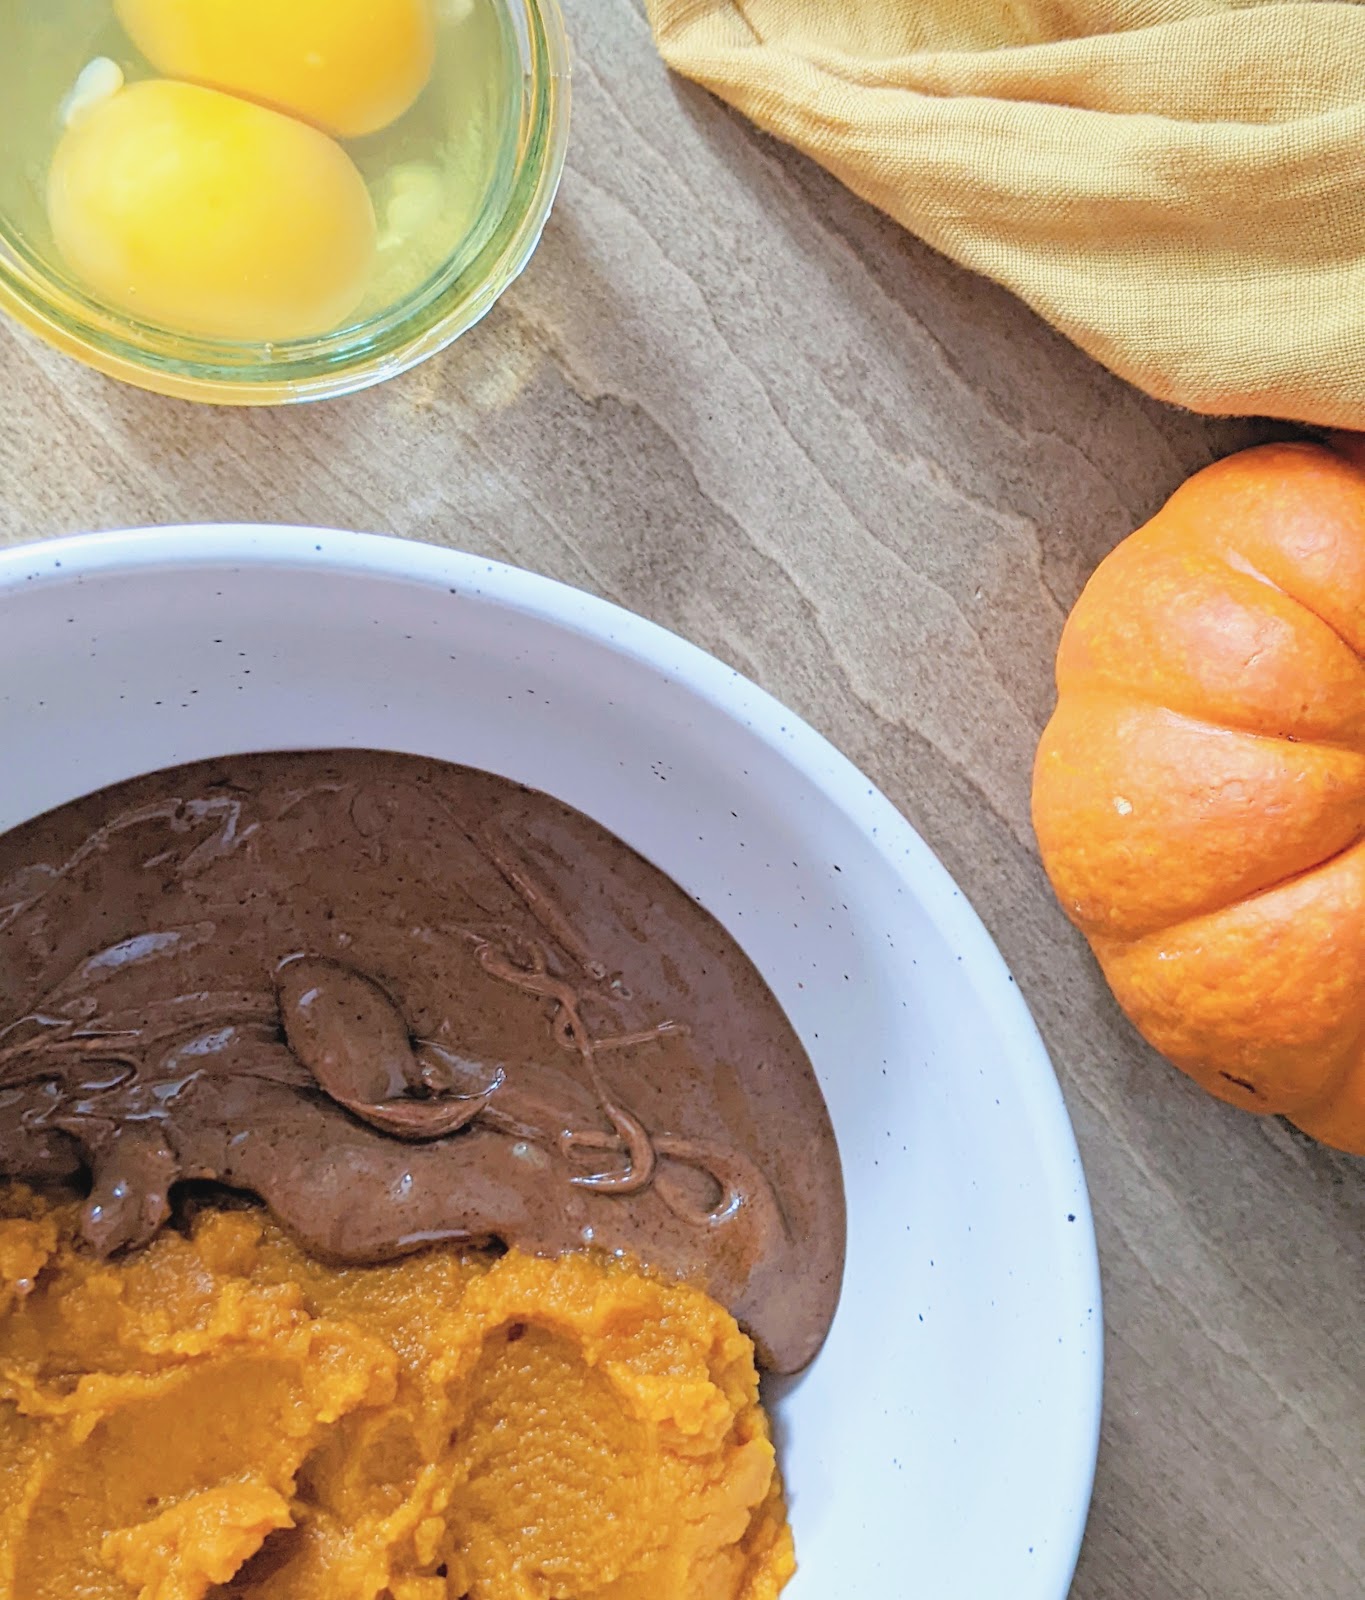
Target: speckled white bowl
943,1445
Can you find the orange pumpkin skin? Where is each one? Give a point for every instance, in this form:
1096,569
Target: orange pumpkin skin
1199,794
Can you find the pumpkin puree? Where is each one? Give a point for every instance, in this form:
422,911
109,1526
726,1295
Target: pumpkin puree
221,1416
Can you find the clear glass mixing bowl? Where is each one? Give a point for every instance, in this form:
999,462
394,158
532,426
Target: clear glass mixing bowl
487,247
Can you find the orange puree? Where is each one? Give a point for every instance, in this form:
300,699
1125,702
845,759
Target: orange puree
219,1417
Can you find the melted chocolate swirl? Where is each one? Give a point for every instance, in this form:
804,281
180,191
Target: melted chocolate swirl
404,1002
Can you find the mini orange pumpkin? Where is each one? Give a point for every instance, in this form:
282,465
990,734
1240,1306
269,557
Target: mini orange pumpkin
1199,794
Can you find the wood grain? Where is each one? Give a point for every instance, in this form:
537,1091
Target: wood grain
731,397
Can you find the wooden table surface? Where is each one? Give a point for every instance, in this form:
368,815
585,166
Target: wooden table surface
731,397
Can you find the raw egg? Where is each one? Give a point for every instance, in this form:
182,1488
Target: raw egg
210,215
349,66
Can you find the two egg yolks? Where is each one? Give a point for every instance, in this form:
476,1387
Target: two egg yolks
235,215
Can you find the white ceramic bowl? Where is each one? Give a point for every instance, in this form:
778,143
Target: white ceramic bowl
943,1445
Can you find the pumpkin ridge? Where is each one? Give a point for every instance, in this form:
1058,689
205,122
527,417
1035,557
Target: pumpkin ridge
1236,899
1190,630
1110,690
1117,779
1237,562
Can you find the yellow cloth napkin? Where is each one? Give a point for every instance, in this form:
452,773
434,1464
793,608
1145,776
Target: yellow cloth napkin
1178,185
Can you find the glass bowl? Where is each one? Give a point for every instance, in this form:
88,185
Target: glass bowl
486,249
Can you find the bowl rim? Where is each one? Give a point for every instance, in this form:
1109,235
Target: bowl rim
374,359
902,852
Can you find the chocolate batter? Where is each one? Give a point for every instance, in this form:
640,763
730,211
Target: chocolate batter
404,1002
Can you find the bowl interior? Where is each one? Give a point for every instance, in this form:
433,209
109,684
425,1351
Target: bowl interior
944,1441
478,158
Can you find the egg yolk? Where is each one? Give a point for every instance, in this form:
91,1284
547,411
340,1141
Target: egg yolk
349,66
210,215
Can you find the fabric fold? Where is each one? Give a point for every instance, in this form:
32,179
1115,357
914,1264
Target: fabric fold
1176,185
